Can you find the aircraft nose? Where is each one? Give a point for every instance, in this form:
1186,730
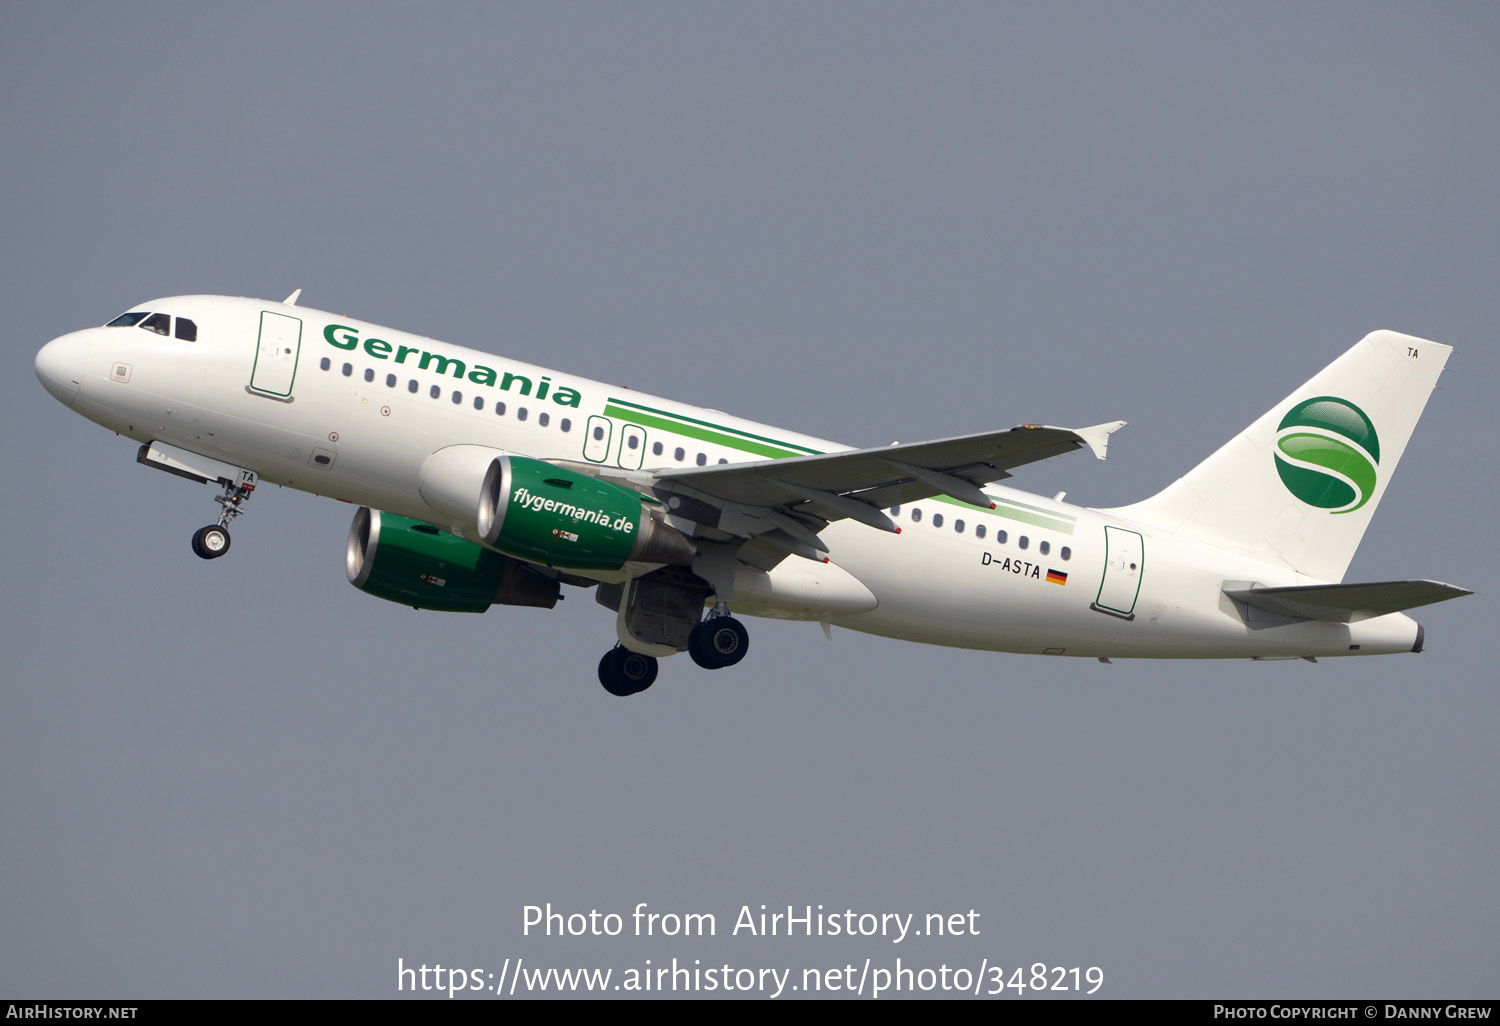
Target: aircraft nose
60,364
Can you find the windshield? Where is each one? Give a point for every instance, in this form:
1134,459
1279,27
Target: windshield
187,330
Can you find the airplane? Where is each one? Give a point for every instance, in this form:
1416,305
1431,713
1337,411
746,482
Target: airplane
482,480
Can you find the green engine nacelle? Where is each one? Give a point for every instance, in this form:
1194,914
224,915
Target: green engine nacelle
543,513
548,514
416,564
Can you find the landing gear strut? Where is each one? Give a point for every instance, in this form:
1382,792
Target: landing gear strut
719,641
623,672
213,541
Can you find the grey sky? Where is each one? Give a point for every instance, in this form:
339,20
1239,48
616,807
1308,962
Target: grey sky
867,222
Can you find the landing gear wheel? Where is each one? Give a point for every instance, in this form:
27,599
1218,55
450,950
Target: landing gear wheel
623,672
718,642
210,542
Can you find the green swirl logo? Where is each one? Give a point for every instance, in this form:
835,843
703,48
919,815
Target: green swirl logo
1327,453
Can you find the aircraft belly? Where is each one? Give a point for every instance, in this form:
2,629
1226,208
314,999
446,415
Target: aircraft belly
946,590
961,592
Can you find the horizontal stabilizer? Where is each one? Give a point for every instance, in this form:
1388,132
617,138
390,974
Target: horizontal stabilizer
1345,603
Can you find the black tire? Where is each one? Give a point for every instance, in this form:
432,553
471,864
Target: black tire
698,647
639,669
719,642
210,542
623,672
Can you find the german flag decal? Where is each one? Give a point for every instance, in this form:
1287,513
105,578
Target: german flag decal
1056,577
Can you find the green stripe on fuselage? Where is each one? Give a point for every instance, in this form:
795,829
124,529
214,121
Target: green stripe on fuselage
706,433
1014,511
630,411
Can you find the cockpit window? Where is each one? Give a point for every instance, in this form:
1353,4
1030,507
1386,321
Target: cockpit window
160,323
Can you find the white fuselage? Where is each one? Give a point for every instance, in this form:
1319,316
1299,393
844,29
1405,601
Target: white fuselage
351,410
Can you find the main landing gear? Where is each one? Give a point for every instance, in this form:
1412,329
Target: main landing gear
212,541
719,641
623,672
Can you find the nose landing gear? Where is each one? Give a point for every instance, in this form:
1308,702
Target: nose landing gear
212,541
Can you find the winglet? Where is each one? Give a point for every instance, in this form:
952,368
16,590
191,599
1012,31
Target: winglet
292,299
1097,437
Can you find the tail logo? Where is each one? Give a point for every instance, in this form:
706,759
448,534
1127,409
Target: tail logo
1327,453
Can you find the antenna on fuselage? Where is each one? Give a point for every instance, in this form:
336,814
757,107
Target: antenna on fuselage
292,299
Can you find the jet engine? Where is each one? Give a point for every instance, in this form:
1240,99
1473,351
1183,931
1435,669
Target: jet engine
547,514
418,565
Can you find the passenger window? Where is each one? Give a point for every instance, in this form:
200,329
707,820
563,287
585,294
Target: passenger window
499,409
390,381
634,441
348,369
1044,548
369,374
1000,537
702,459
679,454
566,425
435,391
542,419
958,525
159,323
895,511
1023,541
187,330
458,398
411,386
325,363
479,402
723,461
937,520
916,515
127,320
1066,553
520,413
979,530
598,433
656,448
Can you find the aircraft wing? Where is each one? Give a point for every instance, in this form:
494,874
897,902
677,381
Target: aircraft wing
797,496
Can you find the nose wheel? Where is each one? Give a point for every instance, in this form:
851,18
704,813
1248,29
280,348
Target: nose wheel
212,541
